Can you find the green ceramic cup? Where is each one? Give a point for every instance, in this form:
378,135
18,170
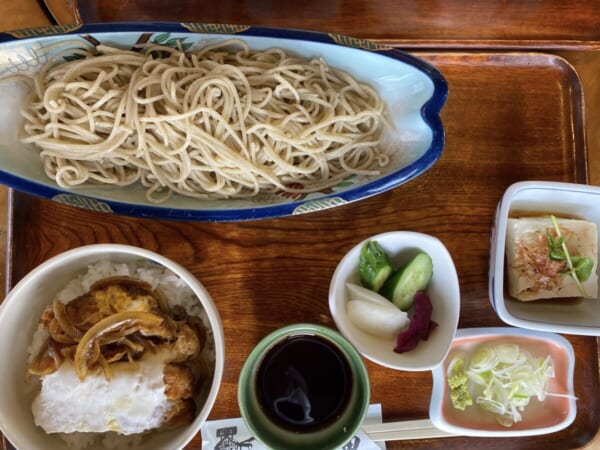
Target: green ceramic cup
332,435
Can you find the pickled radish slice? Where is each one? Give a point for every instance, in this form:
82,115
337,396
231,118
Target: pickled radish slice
376,319
356,292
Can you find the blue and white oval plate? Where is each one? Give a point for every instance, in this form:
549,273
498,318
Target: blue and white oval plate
414,90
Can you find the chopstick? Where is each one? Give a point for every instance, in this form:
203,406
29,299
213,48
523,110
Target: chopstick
404,430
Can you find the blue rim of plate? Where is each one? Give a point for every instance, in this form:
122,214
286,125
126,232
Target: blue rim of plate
430,112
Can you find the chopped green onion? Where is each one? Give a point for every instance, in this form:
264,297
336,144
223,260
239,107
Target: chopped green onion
583,270
503,378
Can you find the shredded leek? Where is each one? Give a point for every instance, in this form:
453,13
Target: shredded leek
503,378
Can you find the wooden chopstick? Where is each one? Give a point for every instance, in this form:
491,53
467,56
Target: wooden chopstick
404,430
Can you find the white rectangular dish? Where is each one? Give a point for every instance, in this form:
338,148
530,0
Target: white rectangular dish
571,316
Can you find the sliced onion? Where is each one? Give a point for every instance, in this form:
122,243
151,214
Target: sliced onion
58,334
88,350
61,316
507,377
47,360
457,364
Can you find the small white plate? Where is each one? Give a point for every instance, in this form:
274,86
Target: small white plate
554,414
443,290
573,316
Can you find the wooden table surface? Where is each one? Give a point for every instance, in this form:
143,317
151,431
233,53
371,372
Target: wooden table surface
28,13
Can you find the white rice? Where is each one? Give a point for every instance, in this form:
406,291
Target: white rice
174,290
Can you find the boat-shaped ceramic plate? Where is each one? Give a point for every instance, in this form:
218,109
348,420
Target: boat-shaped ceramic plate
414,91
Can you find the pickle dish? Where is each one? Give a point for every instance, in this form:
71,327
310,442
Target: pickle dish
534,199
120,396
556,408
383,339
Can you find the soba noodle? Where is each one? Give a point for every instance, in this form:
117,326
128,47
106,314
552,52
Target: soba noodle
216,122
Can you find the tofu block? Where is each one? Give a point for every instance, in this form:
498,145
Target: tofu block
532,274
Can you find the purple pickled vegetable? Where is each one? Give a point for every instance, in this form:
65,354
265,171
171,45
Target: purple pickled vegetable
420,326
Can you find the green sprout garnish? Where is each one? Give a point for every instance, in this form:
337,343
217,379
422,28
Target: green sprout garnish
579,267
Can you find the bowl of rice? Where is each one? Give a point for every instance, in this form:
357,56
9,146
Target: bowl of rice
145,374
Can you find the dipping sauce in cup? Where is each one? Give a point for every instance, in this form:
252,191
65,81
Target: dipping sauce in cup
304,386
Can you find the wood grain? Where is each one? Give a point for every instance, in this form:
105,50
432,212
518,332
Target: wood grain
441,23
550,24
503,125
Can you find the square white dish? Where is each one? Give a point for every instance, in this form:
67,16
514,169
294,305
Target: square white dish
579,316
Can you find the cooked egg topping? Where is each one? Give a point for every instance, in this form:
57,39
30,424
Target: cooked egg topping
133,401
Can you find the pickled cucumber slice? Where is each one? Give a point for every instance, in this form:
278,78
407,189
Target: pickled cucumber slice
374,266
401,287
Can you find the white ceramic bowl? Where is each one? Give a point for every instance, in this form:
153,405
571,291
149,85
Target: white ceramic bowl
582,201
443,291
554,414
19,316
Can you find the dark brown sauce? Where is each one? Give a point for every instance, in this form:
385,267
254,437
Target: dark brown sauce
304,383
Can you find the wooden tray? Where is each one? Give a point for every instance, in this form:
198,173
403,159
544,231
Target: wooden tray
509,117
450,23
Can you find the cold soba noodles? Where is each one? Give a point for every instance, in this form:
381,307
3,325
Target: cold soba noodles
222,122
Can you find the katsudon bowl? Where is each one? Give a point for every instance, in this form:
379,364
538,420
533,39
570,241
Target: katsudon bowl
413,90
67,276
